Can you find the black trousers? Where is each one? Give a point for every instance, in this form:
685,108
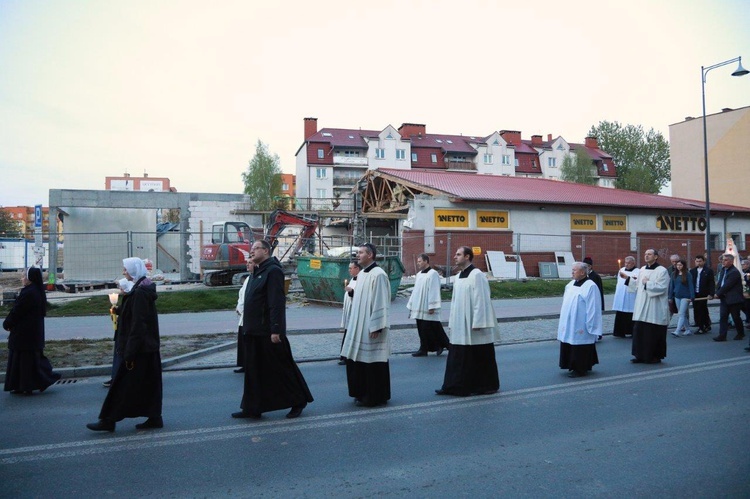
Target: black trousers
700,313
724,312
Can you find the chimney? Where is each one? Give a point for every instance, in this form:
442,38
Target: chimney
511,136
592,143
406,130
549,137
311,127
536,140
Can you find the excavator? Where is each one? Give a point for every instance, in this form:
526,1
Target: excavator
223,260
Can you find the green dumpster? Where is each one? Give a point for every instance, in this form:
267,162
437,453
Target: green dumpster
322,278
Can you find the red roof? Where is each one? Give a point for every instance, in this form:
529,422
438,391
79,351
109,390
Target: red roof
467,186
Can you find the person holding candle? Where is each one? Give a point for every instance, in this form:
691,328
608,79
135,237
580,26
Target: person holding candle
624,300
136,389
124,287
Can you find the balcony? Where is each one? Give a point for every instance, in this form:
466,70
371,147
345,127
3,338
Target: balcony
459,164
349,160
345,181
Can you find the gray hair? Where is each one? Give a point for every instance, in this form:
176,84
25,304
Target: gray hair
629,258
584,266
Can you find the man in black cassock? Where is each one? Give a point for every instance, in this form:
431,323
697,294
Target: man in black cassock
272,379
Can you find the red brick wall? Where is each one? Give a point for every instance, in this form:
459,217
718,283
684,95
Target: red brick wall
685,245
312,154
604,248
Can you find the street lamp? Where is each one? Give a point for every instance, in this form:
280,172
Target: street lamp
740,71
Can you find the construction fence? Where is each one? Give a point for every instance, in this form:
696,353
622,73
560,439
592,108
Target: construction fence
98,256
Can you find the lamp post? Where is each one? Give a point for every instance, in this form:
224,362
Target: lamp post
740,71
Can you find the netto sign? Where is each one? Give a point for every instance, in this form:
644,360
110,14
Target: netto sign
452,218
582,222
681,223
614,222
492,219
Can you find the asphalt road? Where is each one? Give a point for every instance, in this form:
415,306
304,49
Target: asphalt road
678,429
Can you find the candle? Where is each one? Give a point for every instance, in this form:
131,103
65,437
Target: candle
346,282
113,298
618,263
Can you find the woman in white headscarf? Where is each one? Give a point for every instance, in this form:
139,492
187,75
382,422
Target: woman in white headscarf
136,389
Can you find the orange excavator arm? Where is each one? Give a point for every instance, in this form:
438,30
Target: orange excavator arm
281,219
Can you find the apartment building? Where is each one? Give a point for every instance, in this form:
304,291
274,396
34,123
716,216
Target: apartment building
331,160
727,135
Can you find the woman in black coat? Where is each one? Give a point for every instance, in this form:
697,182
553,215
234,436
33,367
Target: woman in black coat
28,368
136,389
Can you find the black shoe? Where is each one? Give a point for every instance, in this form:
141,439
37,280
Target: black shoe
439,351
747,349
102,425
245,415
342,362
239,370
636,361
441,392
419,353
150,423
296,411
739,337
107,383
576,374
720,338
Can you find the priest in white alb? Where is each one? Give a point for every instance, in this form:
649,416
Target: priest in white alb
471,368
366,344
580,323
624,300
424,306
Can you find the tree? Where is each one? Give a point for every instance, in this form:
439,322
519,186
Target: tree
262,179
642,158
9,227
578,167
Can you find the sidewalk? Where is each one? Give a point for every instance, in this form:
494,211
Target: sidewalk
312,347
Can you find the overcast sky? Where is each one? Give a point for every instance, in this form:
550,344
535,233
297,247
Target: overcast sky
184,88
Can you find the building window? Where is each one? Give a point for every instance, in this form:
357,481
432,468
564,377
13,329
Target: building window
433,157
320,193
516,162
321,154
351,153
533,163
379,153
605,167
414,157
400,153
488,159
320,173
552,162
506,159
284,187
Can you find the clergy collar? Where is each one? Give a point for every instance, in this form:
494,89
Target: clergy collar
580,283
426,270
465,272
652,267
354,278
370,267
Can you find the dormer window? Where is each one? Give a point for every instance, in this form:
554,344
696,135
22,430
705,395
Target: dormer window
327,134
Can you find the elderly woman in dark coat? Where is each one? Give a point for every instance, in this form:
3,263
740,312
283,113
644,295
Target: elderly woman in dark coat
28,368
136,389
